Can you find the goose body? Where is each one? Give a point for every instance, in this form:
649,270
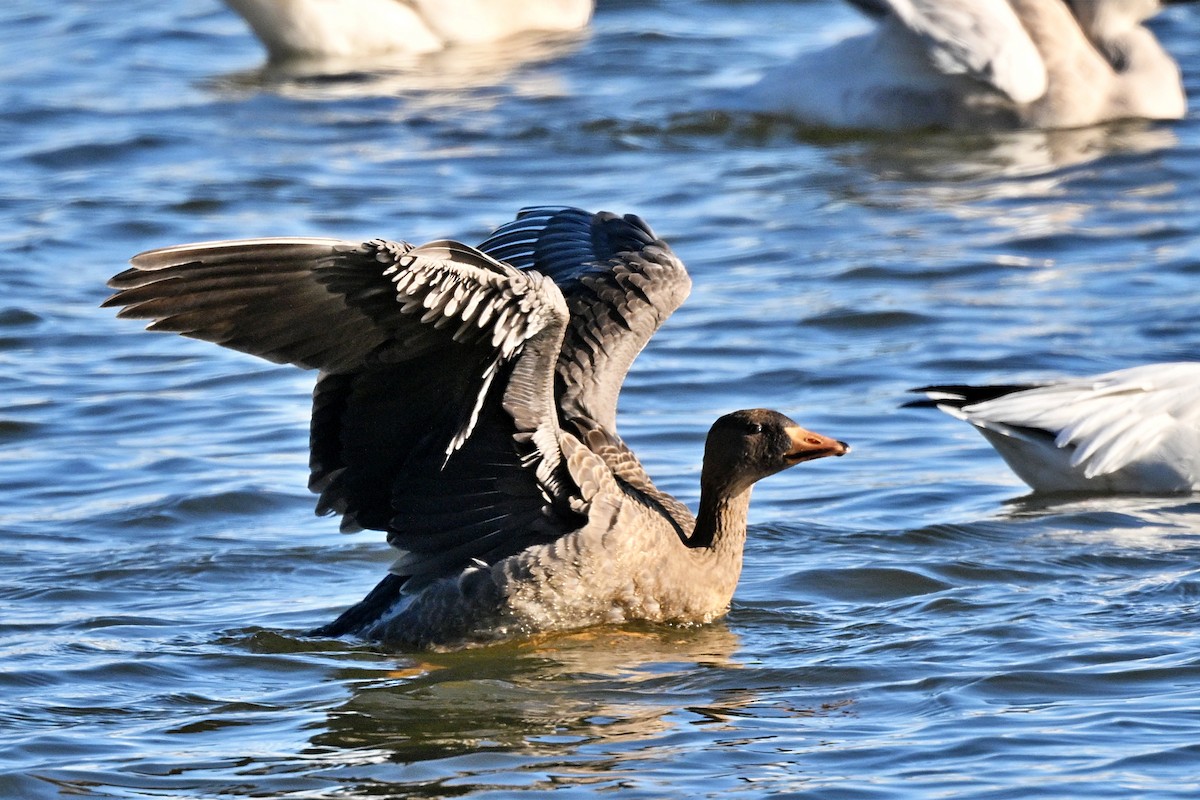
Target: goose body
1133,430
466,405
981,64
364,28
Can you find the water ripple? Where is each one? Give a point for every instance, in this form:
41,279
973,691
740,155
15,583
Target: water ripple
911,623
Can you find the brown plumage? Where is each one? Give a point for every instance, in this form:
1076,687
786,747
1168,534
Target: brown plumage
466,405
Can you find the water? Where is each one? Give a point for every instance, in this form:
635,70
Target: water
910,624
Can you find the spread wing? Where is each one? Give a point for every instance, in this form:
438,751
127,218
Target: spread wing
620,282
1144,417
982,39
434,416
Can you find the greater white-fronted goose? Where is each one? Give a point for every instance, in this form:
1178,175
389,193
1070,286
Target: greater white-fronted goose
365,28
467,406
978,64
1135,430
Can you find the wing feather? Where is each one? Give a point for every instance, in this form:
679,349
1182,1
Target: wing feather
982,39
424,351
1136,429
620,282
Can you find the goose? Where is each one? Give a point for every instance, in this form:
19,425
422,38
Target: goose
980,64
365,28
466,405
1135,430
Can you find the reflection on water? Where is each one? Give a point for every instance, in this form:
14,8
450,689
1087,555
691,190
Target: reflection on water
1159,523
551,700
602,708
506,66
904,630
997,158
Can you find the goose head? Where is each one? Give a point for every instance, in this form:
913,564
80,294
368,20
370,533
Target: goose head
746,446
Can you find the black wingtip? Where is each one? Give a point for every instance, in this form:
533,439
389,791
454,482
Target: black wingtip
366,611
957,395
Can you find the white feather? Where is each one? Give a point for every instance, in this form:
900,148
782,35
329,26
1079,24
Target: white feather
1133,430
968,64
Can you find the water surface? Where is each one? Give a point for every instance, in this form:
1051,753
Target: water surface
910,624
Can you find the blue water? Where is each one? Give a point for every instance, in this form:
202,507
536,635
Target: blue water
910,625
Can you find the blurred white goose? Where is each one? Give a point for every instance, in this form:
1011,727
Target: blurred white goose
356,28
1133,430
965,64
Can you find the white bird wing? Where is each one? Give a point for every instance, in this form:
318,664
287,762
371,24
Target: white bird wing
1147,414
981,39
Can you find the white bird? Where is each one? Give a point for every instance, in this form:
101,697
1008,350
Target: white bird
1135,430
363,28
970,64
